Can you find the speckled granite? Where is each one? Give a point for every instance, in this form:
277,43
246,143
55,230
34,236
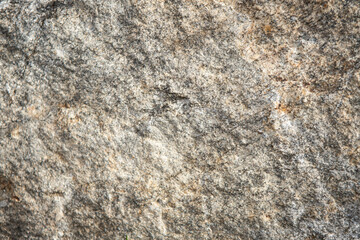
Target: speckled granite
183,119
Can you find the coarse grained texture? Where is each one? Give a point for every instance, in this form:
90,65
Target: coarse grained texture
179,119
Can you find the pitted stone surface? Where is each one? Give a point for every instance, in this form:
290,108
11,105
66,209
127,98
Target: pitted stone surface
184,119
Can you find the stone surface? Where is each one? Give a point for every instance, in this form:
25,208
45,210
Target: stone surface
182,119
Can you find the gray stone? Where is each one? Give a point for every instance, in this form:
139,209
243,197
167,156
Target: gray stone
3,203
183,119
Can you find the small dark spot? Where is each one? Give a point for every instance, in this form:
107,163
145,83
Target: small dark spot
76,97
142,130
15,198
65,135
24,100
6,185
278,78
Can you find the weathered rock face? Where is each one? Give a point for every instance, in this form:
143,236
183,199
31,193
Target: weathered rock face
187,119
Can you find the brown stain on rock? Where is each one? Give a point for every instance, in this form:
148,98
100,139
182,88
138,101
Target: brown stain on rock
7,187
284,108
33,112
15,132
267,29
354,156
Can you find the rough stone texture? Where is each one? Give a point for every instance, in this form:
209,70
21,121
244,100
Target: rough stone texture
182,119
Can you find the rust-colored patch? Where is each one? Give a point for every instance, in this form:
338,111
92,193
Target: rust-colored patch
15,198
354,161
354,157
266,217
15,133
67,116
278,78
331,208
33,112
219,160
61,157
64,105
7,186
304,92
112,160
267,29
283,108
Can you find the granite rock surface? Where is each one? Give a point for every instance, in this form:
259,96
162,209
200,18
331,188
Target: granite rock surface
179,119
